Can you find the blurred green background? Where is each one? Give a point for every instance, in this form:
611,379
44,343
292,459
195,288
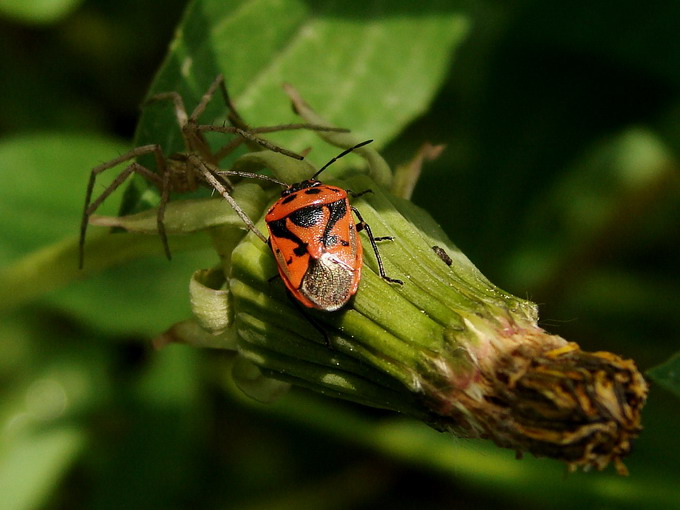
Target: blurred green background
560,181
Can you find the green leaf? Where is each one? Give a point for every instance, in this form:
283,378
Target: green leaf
668,374
371,66
38,11
144,296
44,176
34,463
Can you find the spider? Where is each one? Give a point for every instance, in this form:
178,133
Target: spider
183,172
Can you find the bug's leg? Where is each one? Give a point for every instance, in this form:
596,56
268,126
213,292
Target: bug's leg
361,193
379,238
310,319
354,194
213,179
362,225
91,205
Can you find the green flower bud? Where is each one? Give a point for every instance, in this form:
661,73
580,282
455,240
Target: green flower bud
447,347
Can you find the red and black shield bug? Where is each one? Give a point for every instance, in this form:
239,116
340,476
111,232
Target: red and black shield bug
315,240
316,244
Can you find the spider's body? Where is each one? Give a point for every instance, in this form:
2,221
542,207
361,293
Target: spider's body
186,171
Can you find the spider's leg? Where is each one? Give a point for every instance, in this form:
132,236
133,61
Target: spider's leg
247,136
234,117
180,110
193,134
299,125
206,98
214,180
91,205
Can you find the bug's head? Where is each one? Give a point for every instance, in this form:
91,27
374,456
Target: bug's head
294,188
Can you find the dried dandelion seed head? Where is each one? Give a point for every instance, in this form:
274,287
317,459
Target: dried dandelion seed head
535,392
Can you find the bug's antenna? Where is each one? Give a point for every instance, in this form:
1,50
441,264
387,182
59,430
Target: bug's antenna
344,153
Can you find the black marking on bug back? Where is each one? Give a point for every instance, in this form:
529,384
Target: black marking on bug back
278,228
312,191
289,198
333,240
306,217
337,210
